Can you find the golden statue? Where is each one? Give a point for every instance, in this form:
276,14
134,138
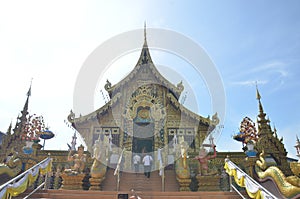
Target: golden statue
79,159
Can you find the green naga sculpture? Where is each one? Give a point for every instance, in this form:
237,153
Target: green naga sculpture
11,167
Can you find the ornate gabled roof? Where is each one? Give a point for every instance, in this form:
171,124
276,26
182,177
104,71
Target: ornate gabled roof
94,114
145,61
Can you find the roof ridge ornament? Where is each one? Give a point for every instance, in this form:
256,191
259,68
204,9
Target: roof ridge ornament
145,57
263,122
145,32
29,90
258,97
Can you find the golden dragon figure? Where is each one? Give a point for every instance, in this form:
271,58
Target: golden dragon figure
288,186
12,165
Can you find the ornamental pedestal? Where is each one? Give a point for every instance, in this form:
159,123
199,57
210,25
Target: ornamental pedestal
98,171
72,182
208,183
184,184
96,183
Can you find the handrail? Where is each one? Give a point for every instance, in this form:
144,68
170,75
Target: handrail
34,190
161,169
248,178
117,170
20,176
236,190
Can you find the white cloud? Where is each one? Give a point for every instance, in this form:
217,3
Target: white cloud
273,74
249,82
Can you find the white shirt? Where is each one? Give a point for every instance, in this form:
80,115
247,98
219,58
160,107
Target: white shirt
136,159
147,160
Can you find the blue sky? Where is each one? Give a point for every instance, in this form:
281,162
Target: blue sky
248,41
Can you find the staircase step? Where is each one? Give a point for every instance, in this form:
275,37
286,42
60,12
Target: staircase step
80,194
139,182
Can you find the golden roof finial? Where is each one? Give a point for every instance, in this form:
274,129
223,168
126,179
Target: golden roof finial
145,35
9,129
258,97
29,90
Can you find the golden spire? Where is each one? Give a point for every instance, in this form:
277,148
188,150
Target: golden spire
23,118
263,123
145,34
145,57
257,93
9,129
258,97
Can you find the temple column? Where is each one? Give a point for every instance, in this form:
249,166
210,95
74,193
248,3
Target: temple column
128,144
156,135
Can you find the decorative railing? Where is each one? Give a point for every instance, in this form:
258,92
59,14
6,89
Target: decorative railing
253,188
161,169
118,168
22,182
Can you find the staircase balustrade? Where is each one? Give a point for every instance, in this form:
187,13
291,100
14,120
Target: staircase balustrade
23,181
117,171
253,188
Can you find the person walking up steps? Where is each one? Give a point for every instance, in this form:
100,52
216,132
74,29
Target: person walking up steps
136,162
147,160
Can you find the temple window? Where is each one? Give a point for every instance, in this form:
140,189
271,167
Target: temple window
187,133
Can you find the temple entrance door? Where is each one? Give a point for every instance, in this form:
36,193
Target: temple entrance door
141,145
143,137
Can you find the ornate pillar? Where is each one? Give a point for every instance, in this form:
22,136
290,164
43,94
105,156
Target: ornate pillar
156,135
129,129
183,175
182,168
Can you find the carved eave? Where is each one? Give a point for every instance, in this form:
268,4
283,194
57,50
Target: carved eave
97,113
212,123
175,90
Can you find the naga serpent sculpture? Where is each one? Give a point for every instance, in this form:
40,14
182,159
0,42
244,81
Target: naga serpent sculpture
100,156
12,167
288,186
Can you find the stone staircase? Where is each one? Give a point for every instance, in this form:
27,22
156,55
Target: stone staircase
80,194
110,181
146,188
139,182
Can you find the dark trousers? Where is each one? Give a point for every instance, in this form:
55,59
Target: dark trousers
147,171
136,168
